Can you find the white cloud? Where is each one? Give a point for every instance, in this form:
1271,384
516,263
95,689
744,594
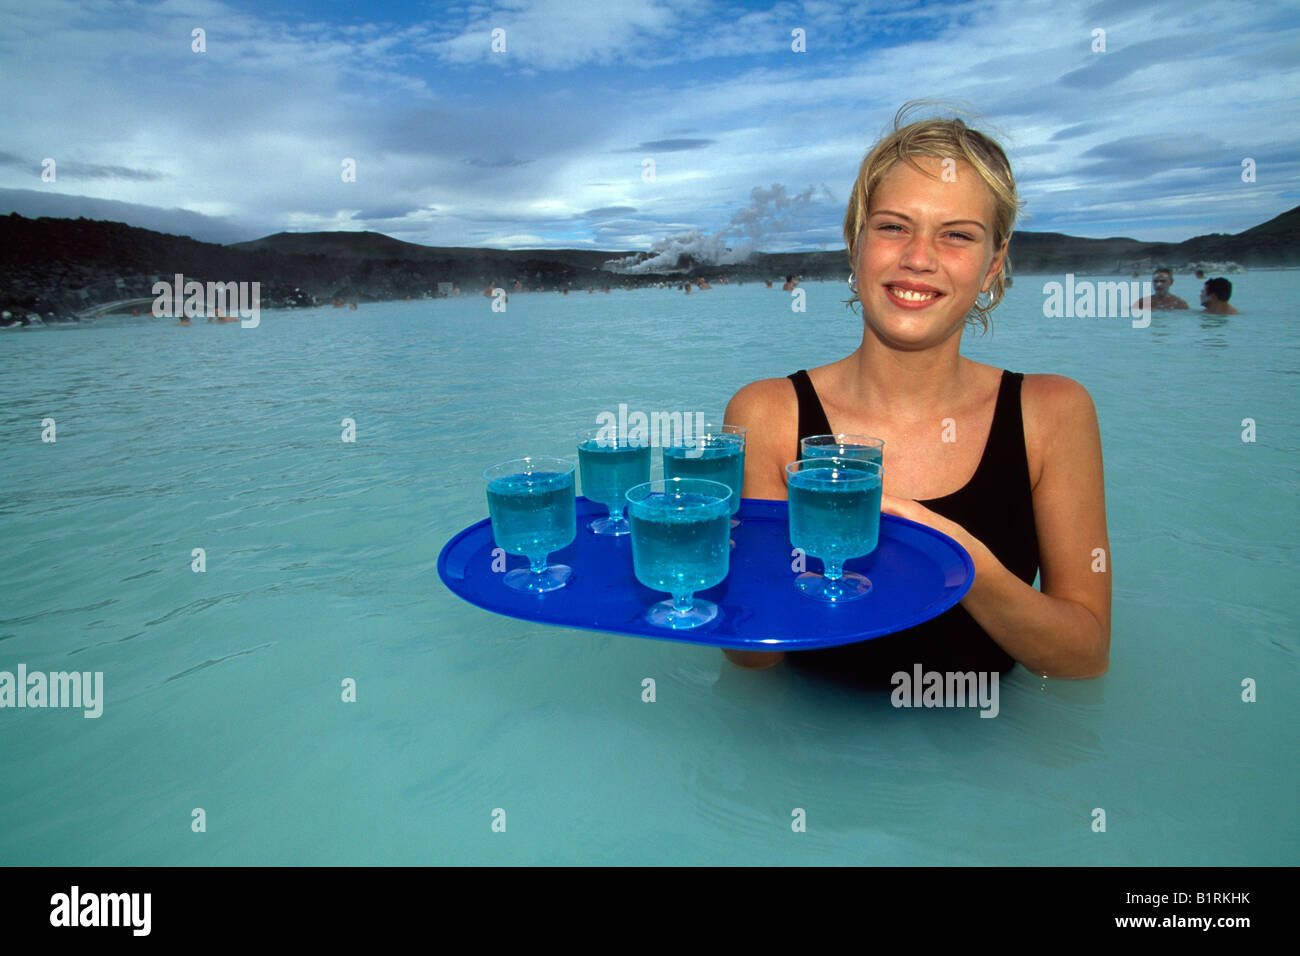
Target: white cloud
259,125
558,34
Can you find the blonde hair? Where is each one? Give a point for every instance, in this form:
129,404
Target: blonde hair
941,138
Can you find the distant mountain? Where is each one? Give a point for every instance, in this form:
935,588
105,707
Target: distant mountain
1270,243
1273,243
65,266
352,245
375,245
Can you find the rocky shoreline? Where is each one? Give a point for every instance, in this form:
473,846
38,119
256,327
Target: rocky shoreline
59,269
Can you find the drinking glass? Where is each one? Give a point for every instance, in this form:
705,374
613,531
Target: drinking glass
716,453
531,501
834,516
610,464
680,544
861,447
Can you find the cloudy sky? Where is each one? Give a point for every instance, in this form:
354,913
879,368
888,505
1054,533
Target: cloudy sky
545,143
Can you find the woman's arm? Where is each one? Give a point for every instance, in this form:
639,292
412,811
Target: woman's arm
764,408
1064,630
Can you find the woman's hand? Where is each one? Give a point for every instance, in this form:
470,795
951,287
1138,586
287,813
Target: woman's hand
985,561
914,511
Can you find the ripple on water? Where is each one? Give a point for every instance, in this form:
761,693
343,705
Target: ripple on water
216,660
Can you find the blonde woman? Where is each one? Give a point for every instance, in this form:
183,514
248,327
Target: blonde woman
1021,487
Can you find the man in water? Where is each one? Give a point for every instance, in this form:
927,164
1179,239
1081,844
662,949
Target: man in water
1161,280
790,283
1215,295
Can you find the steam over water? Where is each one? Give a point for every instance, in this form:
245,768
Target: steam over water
770,211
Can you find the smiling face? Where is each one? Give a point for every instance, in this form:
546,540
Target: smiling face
926,252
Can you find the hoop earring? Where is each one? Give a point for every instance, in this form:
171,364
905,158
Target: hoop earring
853,283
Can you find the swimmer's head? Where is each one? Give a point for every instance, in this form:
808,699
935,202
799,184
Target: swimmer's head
938,138
1220,288
1161,279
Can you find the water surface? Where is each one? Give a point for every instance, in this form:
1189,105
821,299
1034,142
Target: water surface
223,689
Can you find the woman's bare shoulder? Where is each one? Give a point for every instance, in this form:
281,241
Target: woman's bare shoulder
1060,423
769,410
762,399
1055,400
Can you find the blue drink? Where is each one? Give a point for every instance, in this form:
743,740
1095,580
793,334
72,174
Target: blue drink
848,452
533,514
533,511
678,550
609,469
834,515
833,520
852,447
681,530
718,458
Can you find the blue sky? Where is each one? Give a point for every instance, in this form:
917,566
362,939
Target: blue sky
543,145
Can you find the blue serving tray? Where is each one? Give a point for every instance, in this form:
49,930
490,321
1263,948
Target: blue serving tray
917,573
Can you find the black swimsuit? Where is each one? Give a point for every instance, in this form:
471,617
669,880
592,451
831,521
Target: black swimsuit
996,506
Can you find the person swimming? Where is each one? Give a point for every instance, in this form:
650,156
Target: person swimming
791,283
1215,295
1023,486
1161,280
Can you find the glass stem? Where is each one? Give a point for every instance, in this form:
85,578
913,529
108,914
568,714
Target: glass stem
834,570
683,602
537,565
616,513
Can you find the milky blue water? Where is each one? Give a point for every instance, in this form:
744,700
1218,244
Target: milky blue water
224,689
